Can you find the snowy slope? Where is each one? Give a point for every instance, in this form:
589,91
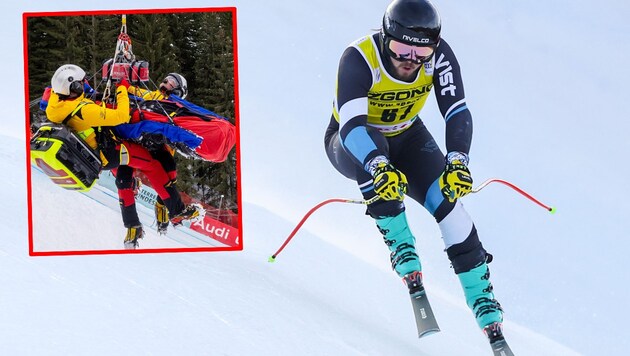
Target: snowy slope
315,300
546,83
547,116
57,212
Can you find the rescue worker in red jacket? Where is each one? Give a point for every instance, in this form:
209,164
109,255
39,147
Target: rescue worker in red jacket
172,84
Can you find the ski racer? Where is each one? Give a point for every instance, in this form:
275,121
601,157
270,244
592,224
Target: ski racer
68,105
377,138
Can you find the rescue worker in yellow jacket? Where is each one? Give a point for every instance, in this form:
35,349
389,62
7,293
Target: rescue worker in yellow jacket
172,84
68,105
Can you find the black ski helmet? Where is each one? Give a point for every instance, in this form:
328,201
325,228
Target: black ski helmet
414,22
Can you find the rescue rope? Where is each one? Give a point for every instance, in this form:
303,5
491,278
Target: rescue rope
122,38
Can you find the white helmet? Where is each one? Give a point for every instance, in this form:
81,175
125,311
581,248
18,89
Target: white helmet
68,78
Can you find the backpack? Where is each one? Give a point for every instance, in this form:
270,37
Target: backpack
64,157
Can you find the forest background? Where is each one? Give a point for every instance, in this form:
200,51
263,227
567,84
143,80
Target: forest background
197,45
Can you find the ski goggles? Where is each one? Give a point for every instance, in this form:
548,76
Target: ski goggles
404,52
170,83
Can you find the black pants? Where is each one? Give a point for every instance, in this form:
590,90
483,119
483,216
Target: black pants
415,153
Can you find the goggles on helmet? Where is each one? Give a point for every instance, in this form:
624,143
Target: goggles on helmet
170,83
405,52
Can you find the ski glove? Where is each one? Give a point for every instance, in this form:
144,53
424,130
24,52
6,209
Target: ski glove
125,83
87,88
389,183
456,181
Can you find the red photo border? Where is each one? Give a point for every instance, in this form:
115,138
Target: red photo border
25,17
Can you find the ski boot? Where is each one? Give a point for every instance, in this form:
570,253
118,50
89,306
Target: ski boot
488,312
401,244
133,234
191,212
161,216
494,332
479,295
405,262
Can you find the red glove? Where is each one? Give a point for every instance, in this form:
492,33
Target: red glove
124,83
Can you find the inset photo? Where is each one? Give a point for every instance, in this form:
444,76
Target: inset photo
132,124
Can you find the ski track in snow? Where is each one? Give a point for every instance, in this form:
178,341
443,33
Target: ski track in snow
54,208
526,81
315,300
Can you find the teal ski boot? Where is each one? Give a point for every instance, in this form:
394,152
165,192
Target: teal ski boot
405,262
401,244
479,295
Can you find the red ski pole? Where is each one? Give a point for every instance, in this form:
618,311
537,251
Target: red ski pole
517,189
370,201
299,225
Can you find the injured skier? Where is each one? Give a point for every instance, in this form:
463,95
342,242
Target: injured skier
68,105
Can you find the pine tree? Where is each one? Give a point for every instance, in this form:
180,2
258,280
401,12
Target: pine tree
197,45
206,44
101,36
185,31
54,40
153,42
